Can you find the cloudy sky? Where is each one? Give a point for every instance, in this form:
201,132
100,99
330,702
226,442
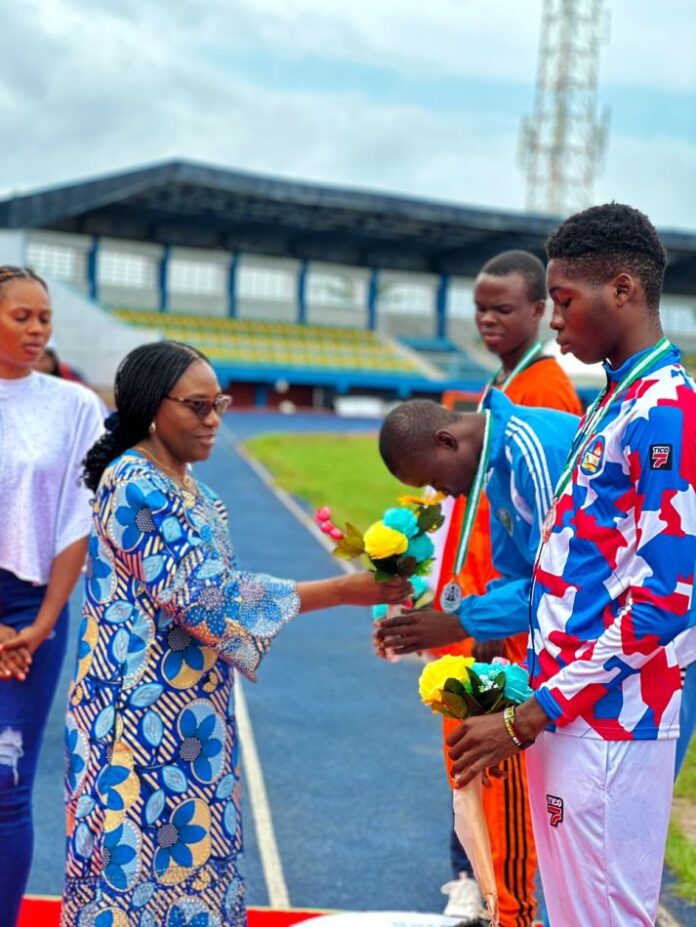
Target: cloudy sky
395,95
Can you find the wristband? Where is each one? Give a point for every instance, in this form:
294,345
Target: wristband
509,720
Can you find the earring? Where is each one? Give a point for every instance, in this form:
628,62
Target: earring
153,428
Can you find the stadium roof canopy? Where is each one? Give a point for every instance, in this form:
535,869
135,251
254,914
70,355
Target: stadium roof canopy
185,204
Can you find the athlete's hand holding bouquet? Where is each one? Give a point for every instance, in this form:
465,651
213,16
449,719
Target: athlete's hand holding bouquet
459,688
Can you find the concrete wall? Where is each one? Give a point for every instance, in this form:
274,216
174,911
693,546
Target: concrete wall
90,339
267,288
61,256
337,295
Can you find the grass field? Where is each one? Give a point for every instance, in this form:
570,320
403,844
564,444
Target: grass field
681,845
346,473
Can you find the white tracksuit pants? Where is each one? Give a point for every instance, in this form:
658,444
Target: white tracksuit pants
600,812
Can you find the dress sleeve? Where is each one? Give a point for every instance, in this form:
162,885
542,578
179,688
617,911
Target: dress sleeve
74,516
182,557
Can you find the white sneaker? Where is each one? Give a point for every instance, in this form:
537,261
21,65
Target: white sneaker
465,899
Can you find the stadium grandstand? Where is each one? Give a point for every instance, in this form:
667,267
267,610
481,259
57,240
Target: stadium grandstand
297,292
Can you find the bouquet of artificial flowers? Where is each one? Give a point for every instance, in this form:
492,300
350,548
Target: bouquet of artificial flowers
396,545
458,687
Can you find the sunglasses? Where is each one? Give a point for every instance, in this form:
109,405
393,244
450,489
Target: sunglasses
203,407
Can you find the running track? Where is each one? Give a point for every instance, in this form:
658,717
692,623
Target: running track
350,759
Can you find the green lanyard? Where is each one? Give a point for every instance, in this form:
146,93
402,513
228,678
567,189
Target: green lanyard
529,355
599,410
474,497
472,503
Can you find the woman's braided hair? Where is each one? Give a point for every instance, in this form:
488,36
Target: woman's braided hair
9,273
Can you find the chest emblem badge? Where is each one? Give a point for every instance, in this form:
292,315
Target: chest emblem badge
593,456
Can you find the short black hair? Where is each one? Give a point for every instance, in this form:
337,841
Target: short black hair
524,263
602,241
144,377
409,430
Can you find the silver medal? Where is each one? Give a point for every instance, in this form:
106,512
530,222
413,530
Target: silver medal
549,522
451,597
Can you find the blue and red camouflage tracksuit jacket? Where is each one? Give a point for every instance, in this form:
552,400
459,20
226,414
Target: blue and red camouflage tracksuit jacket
614,577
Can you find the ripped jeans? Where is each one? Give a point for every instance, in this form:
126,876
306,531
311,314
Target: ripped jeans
24,708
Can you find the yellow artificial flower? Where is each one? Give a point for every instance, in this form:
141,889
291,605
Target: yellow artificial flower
381,541
432,498
436,674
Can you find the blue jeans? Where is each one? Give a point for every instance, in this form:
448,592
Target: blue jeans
24,708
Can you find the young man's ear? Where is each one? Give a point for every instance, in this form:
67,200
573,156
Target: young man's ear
539,308
623,286
445,438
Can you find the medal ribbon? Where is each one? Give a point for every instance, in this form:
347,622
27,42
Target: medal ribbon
529,355
593,418
474,497
472,502
600,408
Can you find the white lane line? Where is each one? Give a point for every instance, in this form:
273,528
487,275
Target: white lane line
258,797
665,919
260,808
287,500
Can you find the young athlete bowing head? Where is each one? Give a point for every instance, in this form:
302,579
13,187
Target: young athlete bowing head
611,590
516,455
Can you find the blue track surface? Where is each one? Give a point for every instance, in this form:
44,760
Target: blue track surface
352,761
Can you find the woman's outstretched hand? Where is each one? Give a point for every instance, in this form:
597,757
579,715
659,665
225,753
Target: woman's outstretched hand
355,589
363,589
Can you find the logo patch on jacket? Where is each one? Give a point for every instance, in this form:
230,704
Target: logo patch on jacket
554,806
593,456
505,519
660,456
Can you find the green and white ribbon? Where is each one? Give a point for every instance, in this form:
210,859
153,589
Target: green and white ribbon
532,352
451,594
474,498
599,410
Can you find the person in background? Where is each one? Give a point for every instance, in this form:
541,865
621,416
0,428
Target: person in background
612,589
510,301
46,427
152,784
48,362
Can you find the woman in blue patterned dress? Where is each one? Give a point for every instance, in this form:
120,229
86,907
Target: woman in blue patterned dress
153,797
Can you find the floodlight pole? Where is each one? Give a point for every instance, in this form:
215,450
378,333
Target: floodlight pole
562,143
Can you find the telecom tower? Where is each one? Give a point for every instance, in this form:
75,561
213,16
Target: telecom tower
564,139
